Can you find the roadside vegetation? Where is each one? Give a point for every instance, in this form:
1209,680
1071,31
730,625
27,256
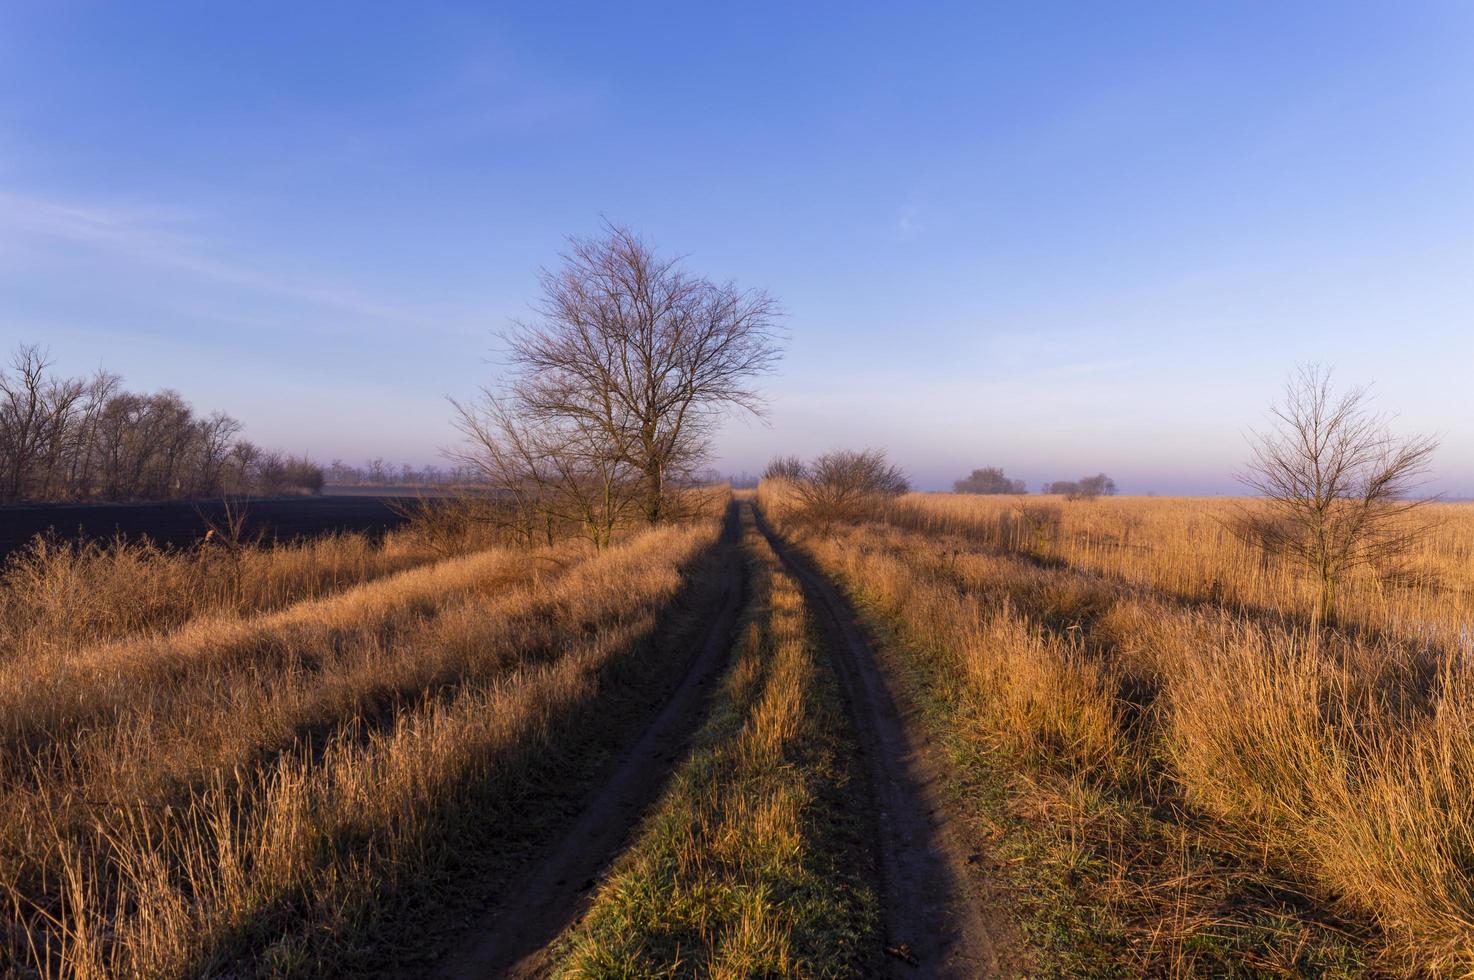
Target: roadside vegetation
272,791
755,862
1176,763
57,596
277,760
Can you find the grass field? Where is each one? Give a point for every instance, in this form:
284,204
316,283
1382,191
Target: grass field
1182,772
272,792
324,758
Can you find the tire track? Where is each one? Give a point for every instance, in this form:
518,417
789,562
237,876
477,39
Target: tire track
535,909
934,921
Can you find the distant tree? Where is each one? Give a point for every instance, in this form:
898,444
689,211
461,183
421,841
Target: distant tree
988,480
846,486
341,473
1337,485
1098,485
1085,488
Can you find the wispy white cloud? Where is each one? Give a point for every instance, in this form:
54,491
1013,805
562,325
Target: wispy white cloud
908,222
154,236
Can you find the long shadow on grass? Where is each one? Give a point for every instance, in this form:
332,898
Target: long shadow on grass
475,852
1252,897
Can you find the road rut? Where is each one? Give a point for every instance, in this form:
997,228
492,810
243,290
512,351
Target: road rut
935,921
515,938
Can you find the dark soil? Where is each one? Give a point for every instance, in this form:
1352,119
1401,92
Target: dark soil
181,523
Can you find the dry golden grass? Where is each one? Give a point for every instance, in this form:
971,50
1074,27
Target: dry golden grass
1212,772
1182,546
57,596
251,790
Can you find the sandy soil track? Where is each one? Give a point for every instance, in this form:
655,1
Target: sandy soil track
937,922
513,941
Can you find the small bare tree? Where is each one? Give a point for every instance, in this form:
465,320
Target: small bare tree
1338,486
846,486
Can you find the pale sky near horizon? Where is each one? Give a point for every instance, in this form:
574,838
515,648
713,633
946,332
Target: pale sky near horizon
1056,237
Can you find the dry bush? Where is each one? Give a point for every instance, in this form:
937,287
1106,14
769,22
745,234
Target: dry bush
840,487
464,522
1035,525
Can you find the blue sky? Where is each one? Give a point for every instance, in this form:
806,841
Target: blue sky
1057,237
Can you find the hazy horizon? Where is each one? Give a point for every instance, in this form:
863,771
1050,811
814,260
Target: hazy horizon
1059,241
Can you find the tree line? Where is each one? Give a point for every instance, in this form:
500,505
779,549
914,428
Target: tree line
379,472
64,438
991,480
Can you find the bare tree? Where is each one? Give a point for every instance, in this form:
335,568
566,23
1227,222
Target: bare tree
23,420
988,480
75,438
1338,486
632,349
846,486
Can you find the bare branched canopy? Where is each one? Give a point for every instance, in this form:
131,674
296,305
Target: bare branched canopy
1341,490
88,439
634,351
619,385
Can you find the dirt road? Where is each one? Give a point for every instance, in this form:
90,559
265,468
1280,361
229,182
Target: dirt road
936,921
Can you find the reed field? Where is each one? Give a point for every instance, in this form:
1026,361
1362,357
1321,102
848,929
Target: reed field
1176,768
271,768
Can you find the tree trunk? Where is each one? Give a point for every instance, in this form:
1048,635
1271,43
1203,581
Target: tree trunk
655,493
1327,611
